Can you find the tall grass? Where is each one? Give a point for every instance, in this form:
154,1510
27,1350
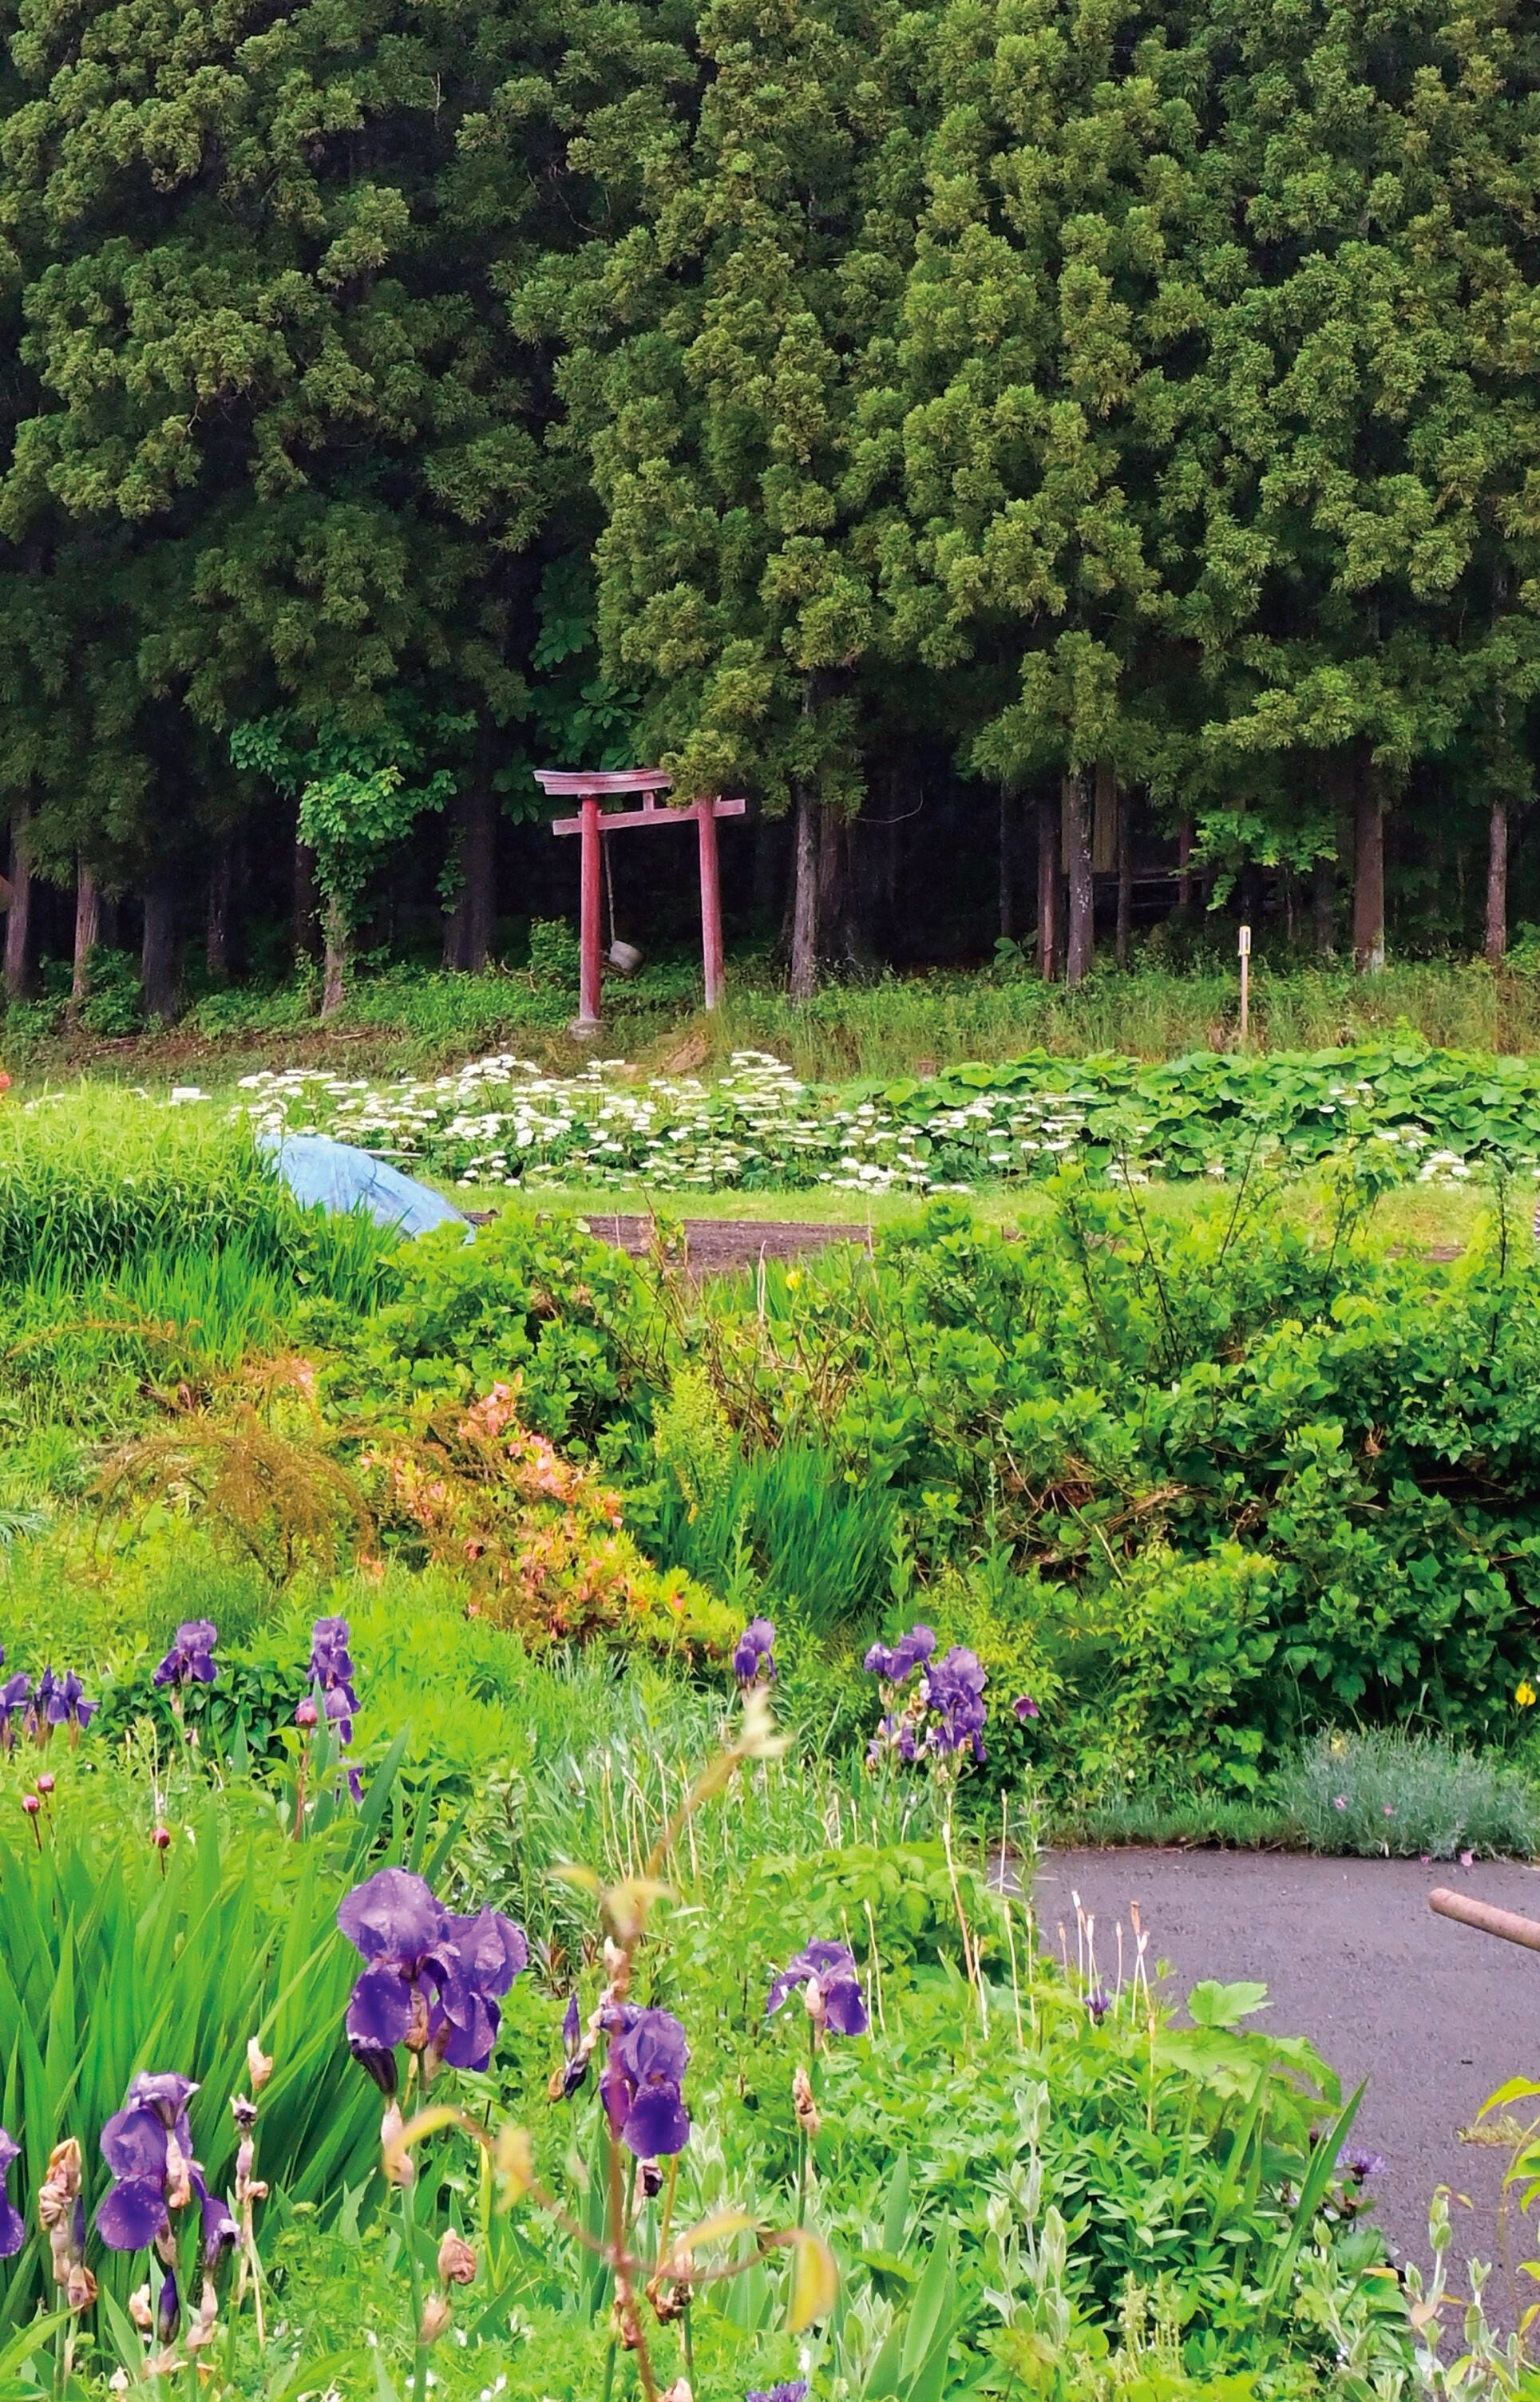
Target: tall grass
96,1184
604,1758
410,1019
885,1028
114,1957
782,1528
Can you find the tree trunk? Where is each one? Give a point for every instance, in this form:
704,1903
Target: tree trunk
88,928
335,981
1497,883
1080,948
158,953
1184,867
802,982
1006,879
1050,912
216,918
302,931
1125,880
833,886
470,930
1323,881
1368,876
18,922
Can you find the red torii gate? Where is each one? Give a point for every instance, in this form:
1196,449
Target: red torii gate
593,823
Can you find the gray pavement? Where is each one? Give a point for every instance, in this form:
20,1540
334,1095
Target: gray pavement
1434,2014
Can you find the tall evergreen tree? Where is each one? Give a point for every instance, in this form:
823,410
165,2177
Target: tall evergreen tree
1377,421
750,307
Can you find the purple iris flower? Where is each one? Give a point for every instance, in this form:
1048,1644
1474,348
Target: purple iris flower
954,1689
1359,2164
13,2227
1025,1707
894,1734
576,2068
331,1668
795,2391
148,2146
331,1674
190,1661
15,1697
340,1706
642,2084
431,1980
829,1968
330,1663
66,1704
220,2231
1098,2004
909,1652
753,1661
168,2308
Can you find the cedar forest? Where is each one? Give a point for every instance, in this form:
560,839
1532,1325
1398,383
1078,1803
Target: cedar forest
1122,419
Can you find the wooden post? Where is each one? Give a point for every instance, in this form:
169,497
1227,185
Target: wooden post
710,903
1508,1923
590,968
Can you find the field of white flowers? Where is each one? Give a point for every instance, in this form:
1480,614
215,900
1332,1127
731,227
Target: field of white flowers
501,1120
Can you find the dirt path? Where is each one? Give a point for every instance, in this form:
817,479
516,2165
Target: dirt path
1434,2015
716,1244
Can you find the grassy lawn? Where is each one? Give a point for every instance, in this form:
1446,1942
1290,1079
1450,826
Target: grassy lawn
1424,1217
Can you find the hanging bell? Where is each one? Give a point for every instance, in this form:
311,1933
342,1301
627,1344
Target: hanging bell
624,958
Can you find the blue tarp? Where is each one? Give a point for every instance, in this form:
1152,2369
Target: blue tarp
337,1177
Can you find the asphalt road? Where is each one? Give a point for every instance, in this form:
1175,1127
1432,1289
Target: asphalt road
1434,2014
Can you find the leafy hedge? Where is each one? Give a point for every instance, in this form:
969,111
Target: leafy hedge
1210,1110
1197,1490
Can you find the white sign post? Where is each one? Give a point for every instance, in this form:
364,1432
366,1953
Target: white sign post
1245,983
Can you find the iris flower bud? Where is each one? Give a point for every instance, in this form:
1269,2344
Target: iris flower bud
456,2261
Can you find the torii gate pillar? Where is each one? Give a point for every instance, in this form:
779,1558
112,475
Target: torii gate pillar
592,824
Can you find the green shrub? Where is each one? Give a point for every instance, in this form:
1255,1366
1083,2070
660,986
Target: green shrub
539,1302
112,1004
